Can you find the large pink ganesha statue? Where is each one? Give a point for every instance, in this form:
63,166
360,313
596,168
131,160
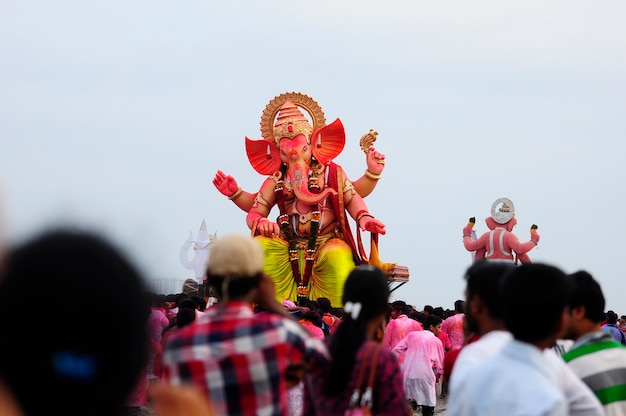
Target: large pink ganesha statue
309,247
500,243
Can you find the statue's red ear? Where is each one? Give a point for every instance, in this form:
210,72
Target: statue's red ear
328,141
263,156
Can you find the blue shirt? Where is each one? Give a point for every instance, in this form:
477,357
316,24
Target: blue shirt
617,334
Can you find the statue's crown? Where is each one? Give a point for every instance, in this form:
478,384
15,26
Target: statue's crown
290,122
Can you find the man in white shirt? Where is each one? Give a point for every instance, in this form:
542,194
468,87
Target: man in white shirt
484,317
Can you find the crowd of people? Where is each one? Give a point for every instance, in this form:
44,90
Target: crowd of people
250,353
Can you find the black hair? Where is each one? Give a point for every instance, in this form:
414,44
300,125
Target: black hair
313,317
546,288
418,316
199,301
438,310
324,304
368,287
237,288
399,305
69,366
483,279
588,293
185,316
187,303
432,320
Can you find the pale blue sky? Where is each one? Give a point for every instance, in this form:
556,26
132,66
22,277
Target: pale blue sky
115,115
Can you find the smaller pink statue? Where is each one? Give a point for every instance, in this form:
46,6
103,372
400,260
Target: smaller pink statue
500,243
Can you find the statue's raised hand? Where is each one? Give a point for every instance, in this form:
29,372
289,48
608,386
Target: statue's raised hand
375,161
224,183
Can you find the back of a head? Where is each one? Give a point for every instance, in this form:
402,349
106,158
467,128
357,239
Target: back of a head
459,306
367,286
69,364
313,317
432,320
588,293
400,306
157,299
234,265
187,303
611,318
324,304
185,316
483,280
536,287
365,296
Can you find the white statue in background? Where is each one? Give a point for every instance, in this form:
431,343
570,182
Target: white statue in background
201,247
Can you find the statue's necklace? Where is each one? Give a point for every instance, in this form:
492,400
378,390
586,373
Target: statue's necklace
285,225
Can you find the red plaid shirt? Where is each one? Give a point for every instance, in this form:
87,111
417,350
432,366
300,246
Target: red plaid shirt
239,358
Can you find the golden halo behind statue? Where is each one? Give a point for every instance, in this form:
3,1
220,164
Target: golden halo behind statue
299,99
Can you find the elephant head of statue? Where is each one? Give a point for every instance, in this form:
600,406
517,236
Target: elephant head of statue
293,146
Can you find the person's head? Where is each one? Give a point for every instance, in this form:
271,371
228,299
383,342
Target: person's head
587,295
67,365
459,306
482,296
611,318
428,309
433,324
586,305
185,316
187,303
365,299
418,316
324,304
398,307
235,266
199,301
438,310
158,300
543,288
313,317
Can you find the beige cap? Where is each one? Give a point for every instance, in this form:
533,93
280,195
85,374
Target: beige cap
235,256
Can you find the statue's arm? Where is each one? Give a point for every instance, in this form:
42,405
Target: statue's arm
257,216
473,245
357,209
227,185
375,165
522,248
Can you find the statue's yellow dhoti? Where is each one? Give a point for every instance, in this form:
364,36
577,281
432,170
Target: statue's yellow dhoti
332,264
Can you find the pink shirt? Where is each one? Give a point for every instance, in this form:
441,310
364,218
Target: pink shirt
156,322
316,331
424,353
453,327
397,329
